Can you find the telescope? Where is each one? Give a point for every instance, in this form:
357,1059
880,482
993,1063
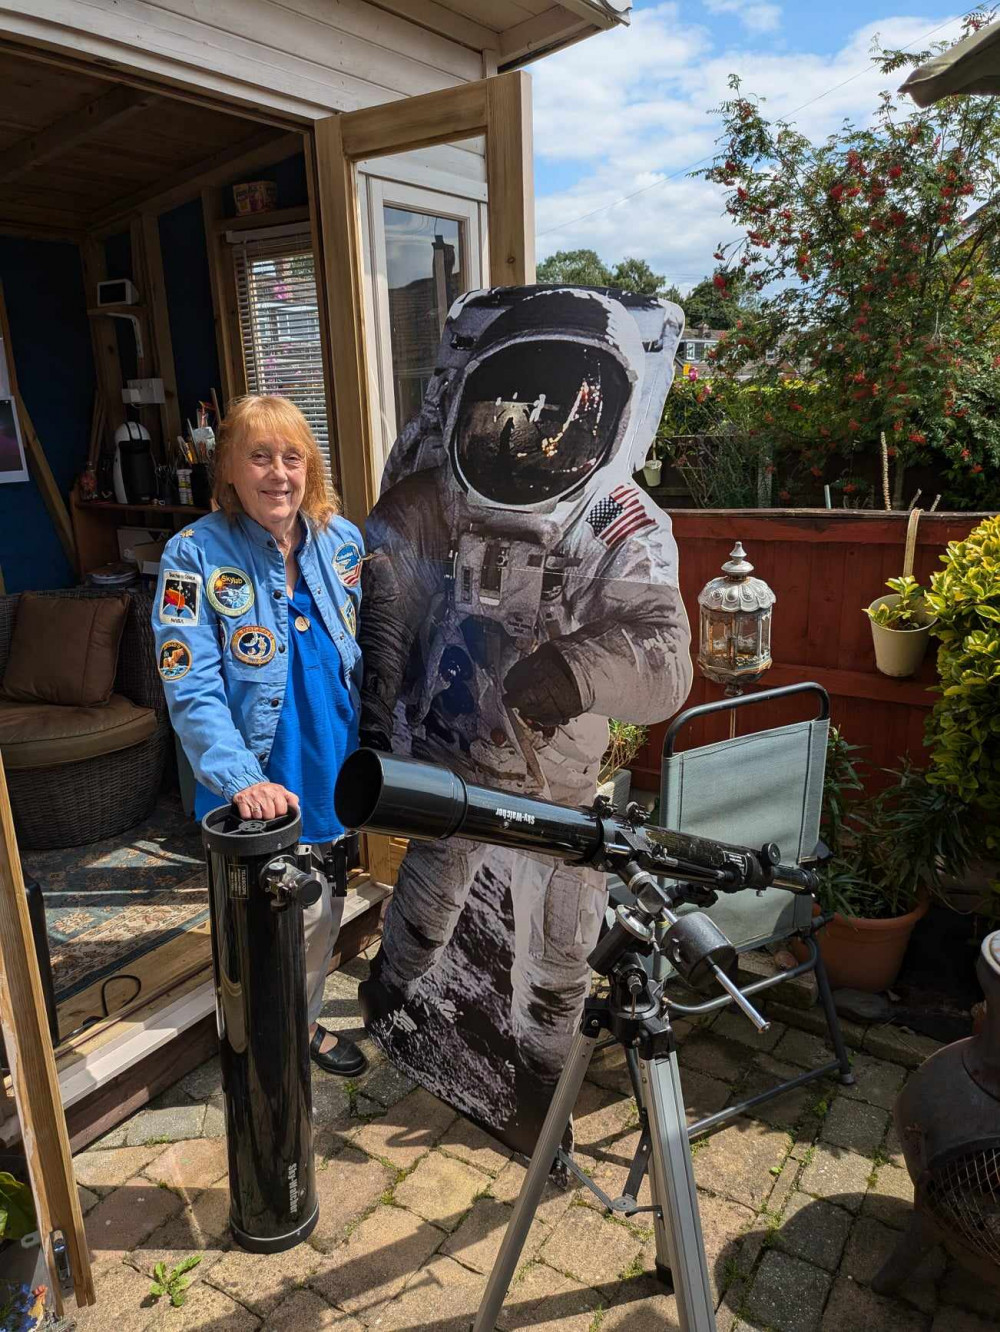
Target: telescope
662,869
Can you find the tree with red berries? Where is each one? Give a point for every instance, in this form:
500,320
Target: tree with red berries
877,258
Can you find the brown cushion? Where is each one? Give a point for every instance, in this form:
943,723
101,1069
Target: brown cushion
44,735
64,649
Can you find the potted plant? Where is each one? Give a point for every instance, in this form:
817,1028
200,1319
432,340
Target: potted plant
901,627
653,467
889,853
614,779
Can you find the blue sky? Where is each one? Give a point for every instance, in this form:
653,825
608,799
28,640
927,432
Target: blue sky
628,111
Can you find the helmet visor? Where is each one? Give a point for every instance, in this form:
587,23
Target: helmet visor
536,419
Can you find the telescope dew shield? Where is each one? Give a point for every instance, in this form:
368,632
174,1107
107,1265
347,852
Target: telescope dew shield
257,890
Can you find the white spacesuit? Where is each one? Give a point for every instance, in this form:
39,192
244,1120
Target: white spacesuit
520,590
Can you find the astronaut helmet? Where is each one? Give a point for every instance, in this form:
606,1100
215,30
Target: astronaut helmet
543,407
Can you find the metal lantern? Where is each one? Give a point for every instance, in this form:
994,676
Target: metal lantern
735,638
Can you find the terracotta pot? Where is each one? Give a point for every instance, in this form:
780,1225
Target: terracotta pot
899,652
867,954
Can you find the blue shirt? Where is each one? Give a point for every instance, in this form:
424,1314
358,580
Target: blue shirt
223,629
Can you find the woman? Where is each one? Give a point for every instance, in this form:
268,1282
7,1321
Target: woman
255,618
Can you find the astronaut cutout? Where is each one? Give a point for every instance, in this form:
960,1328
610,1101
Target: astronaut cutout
520,590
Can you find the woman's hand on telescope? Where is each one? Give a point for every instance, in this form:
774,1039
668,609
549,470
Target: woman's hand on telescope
265,800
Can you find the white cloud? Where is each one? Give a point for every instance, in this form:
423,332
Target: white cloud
753,14
629,108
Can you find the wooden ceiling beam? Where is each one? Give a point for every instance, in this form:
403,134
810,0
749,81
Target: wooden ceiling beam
258,151
71,129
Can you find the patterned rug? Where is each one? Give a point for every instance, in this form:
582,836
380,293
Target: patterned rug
111,902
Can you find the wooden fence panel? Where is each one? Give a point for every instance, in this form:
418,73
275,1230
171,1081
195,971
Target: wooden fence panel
824,567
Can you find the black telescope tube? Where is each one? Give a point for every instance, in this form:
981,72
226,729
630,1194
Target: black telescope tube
406,798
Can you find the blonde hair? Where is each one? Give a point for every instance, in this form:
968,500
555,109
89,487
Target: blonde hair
265,414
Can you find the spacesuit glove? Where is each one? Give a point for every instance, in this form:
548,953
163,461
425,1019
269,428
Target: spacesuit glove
375,740
543,689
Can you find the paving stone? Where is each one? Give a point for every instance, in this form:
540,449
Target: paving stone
386,1084
852,1307
962,1288
890,1198
205,1308
477,1240
950,1319
703,1095
855,1125
262,1281
642,1304
376,1261
346,1188
787,1109
110,1167
838,1175
735,1027
473,1145
724,1226
441,1189
901,1047
803,1048
203,1082
876,1081
872,1244
814,1230
591,1248
443,1295
126,1217
214,1125
412,1127
893,1148
305,1311
711,1054
609,1069
814,1020
737,1161
123,1302
788,1294
600,1119
507,1187
548,1301
87,1199
170,1124
202,1228
189,1167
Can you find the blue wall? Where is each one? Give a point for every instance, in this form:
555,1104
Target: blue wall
189,303
50,336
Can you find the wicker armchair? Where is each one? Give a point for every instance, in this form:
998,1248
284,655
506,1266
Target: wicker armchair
85,801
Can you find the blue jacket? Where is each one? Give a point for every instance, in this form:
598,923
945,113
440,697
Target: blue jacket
221,623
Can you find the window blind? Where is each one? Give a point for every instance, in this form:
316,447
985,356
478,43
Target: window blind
279,322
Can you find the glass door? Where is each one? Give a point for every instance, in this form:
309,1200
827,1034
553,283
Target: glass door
423,249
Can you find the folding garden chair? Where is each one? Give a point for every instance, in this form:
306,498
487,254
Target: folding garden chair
766,786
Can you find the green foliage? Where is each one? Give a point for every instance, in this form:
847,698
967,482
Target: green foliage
174,1283
876,255
963,731
892,847
625,741
705,304
586,268
17,1208
909,612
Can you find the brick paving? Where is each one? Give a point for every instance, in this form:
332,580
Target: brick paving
800,1204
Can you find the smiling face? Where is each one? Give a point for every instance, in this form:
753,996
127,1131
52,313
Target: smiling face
269,477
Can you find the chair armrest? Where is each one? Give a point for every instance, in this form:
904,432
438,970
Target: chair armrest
8,609
137,677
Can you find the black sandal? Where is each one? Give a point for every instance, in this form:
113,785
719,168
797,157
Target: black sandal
345,1060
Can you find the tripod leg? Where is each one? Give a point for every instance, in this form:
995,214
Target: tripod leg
832,1020
567,1090
679,1233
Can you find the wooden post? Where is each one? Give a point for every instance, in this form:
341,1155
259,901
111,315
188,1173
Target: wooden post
510,180
33,1071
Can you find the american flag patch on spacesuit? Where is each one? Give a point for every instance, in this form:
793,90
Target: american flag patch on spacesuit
618,516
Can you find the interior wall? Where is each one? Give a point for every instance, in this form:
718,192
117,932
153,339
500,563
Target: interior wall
189,306
50,336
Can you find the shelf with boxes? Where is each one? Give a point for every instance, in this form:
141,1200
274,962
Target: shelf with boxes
107,532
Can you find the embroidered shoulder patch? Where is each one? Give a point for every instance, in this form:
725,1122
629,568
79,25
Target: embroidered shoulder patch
350,616
229,591
347,563
188,531
180,601
174,660
619,515
253,644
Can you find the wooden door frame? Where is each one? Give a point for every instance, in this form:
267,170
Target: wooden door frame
497,107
